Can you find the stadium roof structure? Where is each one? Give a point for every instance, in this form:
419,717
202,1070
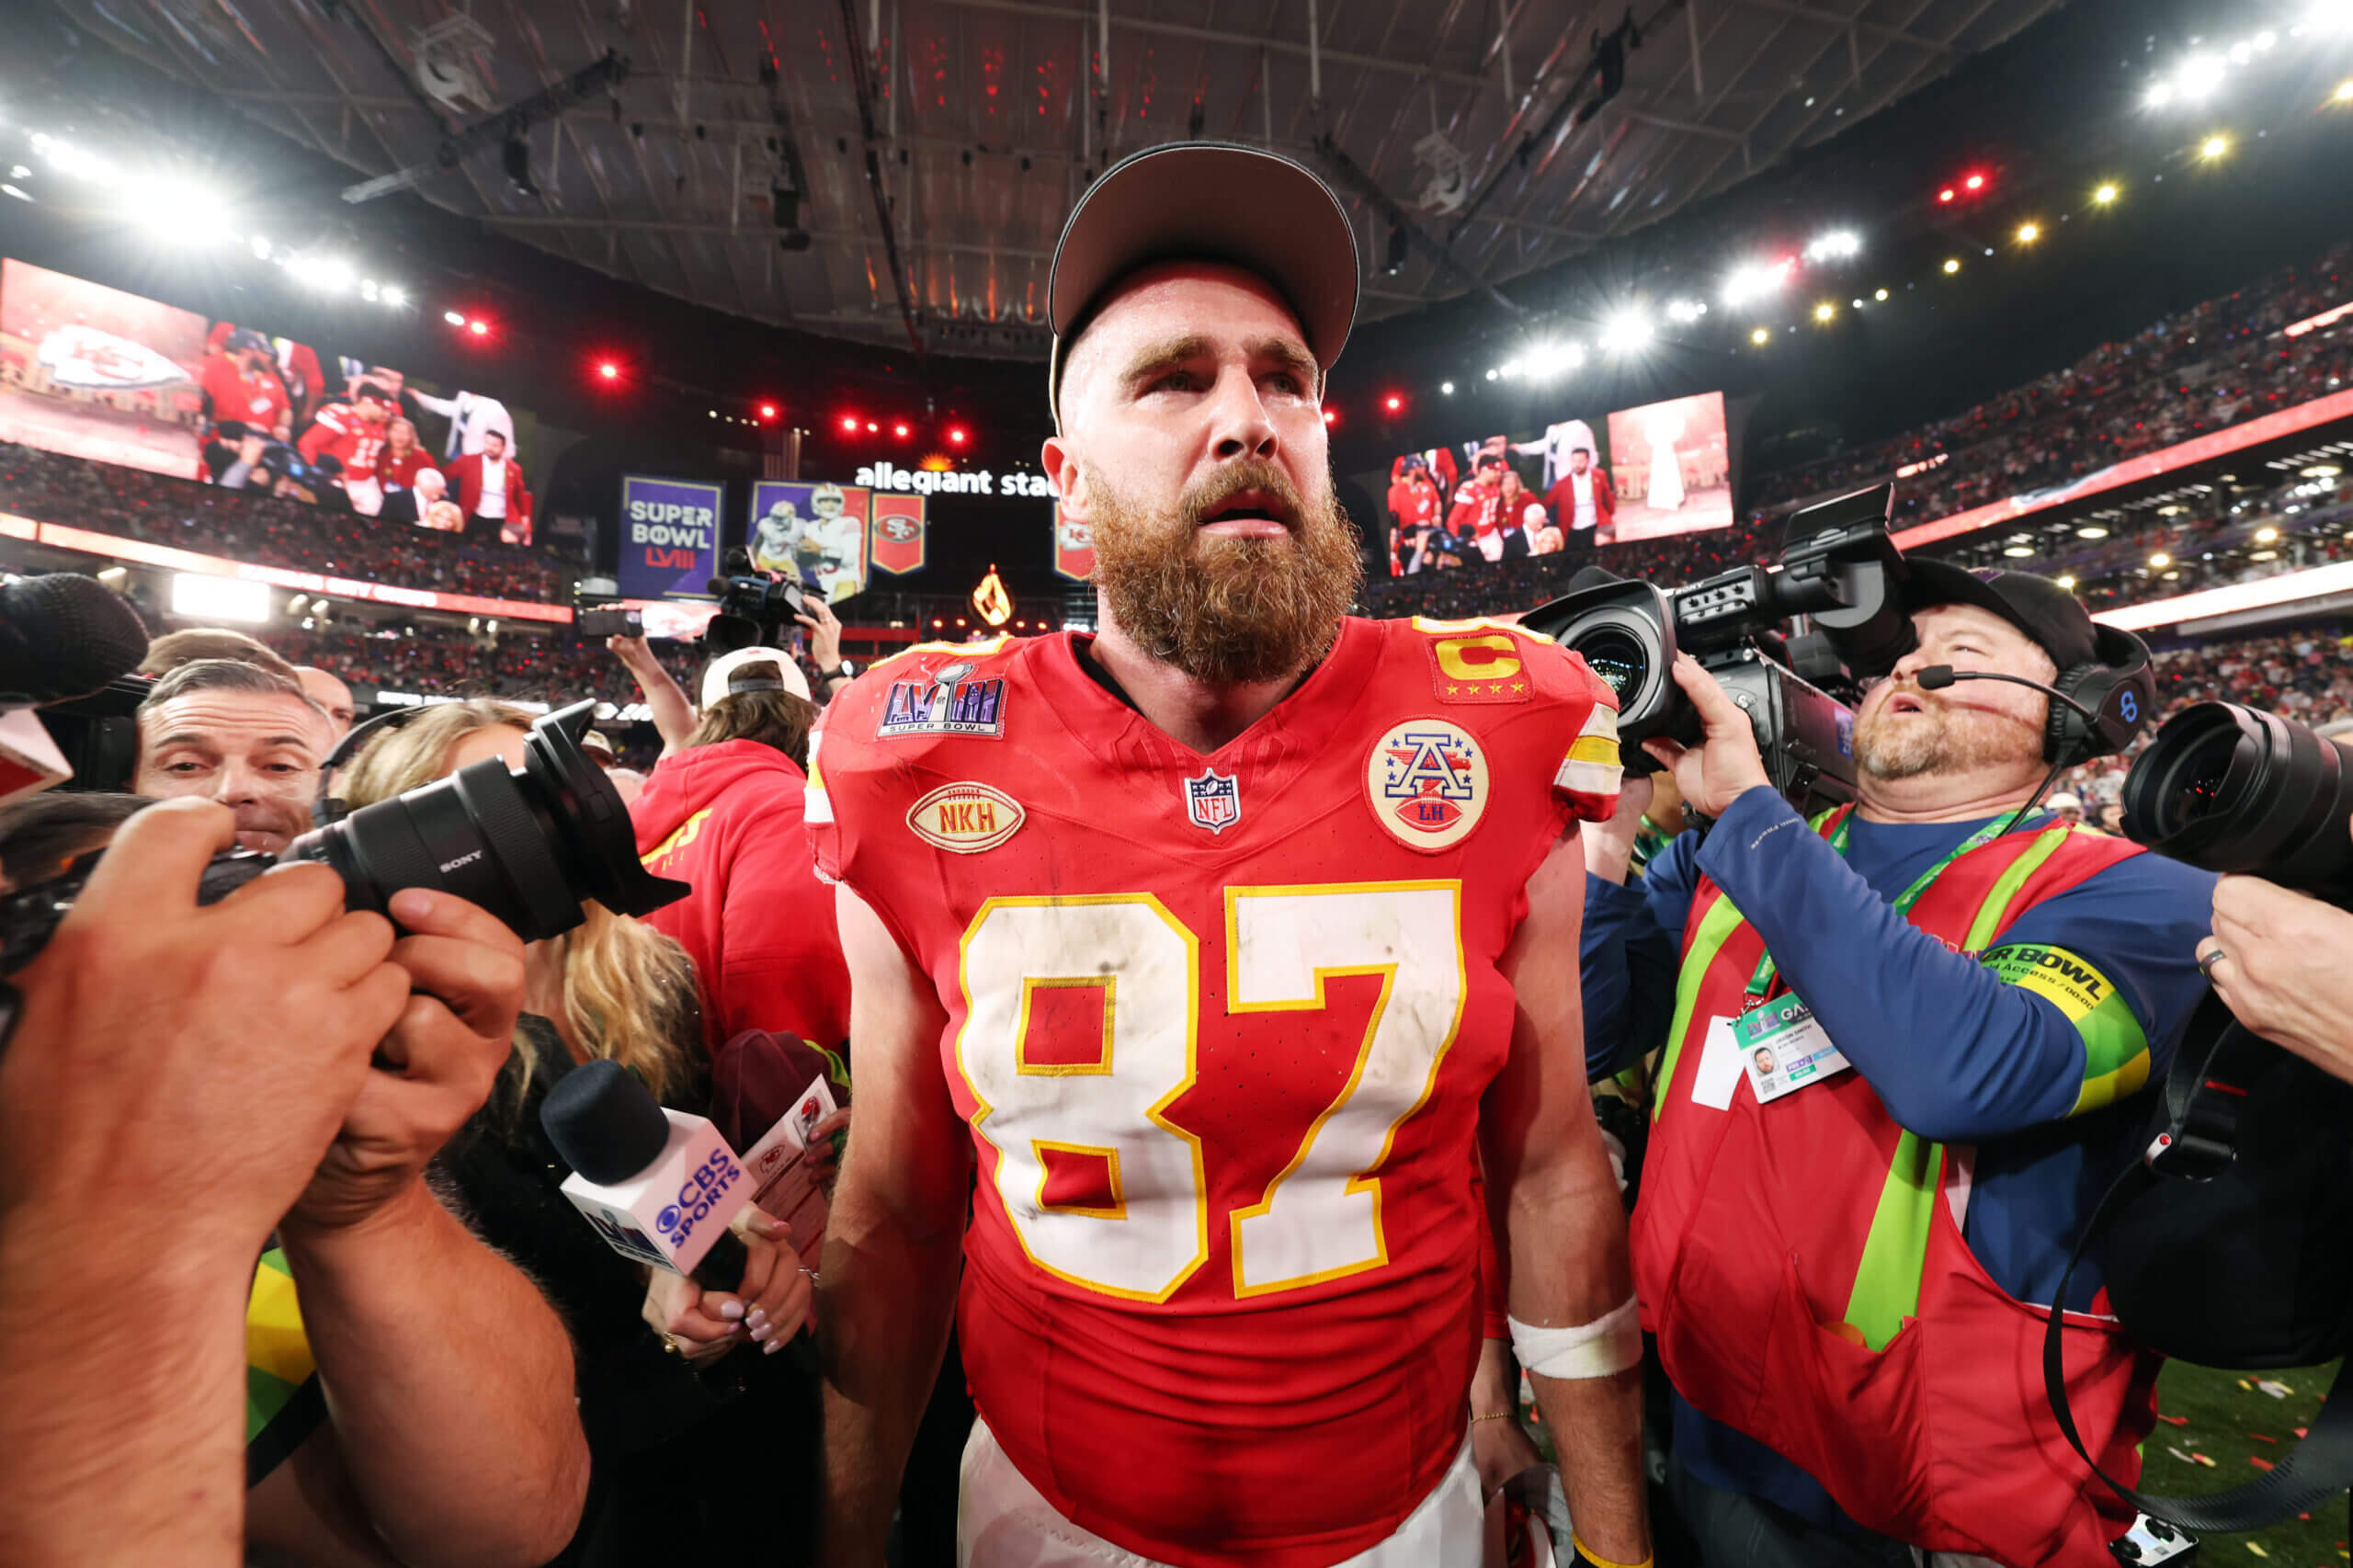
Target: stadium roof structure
896,171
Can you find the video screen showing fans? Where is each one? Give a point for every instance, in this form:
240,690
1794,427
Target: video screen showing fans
111,377
1577,485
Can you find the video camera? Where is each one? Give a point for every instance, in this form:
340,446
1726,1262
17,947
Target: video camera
529,845
754,610
1838,567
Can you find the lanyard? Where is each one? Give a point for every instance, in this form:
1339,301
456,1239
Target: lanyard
1761,982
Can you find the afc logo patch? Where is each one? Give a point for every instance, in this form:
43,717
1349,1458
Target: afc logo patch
1213,801
1426,782
1479,666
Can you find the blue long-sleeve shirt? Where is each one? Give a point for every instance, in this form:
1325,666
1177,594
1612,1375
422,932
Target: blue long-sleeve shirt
1980,1050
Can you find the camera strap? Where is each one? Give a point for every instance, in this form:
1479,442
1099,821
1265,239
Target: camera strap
1760,985
2200,1138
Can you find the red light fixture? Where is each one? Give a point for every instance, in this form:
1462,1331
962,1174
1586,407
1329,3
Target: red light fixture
1975,182
1331,416
871,427
1393,402
849,422
899,430
767,411
479,327
1946,194
608,371
955,435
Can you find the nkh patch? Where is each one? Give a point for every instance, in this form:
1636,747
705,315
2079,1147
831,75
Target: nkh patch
949,703
966,817
1426,782
1213,801
1478,666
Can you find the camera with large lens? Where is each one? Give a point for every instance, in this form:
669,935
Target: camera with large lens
2238,790
754,610
529,845
1838,568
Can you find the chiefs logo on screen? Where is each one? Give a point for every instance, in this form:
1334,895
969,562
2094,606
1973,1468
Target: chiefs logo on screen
1426,782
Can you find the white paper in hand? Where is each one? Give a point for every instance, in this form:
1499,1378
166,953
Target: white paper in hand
779,1168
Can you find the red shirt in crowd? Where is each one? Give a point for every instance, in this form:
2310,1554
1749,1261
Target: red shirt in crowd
343,434
758,926
229,395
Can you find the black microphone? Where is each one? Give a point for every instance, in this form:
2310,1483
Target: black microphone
64,635
1936,677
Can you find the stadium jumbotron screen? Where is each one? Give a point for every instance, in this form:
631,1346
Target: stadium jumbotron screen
1662,468
112,377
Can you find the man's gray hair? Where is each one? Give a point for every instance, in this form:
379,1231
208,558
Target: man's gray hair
224,675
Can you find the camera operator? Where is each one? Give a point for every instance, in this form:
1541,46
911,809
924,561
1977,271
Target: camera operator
1996,993
673,713
724,813
2277,959
128,1126
237,733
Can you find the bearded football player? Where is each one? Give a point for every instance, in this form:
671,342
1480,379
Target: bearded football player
1207,961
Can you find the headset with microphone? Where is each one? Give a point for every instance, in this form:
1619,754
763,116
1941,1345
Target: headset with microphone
2097,707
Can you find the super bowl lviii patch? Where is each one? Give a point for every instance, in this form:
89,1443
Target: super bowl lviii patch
1426,782
965,818
948,703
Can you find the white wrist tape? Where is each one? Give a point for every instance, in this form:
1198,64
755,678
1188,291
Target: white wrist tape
1597,1349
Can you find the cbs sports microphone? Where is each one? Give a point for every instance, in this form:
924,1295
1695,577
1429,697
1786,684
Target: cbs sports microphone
660,1186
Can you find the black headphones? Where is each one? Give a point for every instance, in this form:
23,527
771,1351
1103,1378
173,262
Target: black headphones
2118,685
326,807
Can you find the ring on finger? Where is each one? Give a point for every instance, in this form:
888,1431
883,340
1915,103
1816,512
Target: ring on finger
2208,960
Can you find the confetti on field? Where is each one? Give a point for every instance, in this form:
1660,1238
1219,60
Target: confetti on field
2173,1420
2179,1455
2300,1431
2202,1458
2258,1464
2276,1390
2261,1438
2258,1550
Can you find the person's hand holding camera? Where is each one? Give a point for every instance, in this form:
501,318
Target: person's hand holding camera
1725,765
825,635
189,1064
2277,959
434,1069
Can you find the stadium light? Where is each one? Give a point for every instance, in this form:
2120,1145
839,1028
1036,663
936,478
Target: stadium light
2091,530
1685,311
479,327
1331,416
453,318
2104,195
955,435
2266,536
2197,76
2214,147
1952,264
872,427
1546,360
1760,337
68,159
767,411
1825,310
1627,331
1946,194
1493,373
21,194
2160,95
1838,244
849,423
2067,583
1753,278
327,274
1446,388
2029,232
1974,182
1882,295
2160,559
2343,94
1393,402
608,371
900,430
395,296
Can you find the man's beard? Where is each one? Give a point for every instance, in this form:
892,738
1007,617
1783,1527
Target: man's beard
1226,611
1941,739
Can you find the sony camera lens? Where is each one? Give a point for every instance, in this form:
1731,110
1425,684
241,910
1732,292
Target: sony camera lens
1617,656
2232,789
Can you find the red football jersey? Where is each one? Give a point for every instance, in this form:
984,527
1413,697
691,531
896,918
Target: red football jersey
1219,1025
259,403
352,441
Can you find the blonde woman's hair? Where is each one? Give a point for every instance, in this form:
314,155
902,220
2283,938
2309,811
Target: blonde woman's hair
628,991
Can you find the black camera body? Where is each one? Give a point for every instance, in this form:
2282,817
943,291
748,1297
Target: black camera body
754,610
1838,567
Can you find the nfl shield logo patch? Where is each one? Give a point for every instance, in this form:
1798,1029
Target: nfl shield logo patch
1213,801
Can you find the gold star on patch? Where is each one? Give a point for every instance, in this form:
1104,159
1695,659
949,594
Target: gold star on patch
1519,686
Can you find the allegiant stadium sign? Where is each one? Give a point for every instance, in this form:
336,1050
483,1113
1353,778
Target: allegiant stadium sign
930,481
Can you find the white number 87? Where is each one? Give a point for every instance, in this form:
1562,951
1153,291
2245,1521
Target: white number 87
1320,1218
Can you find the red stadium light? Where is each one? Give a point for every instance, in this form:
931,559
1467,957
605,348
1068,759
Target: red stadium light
767,411
479,327
955,435
1393,402
608,371
900,430
849,422
1331,416
872,426
1946,194
1974,182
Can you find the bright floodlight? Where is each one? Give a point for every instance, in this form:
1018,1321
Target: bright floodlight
1627,330
1975,182
177,212
2029,232
1825,310
327,274
2199,75
1838,244
261,248
1545,360
2159,95
1881,294
220,598
2214,147
1446,388
1753,278
1952,264
1685,311
2344,91
1493,373
1760,337
68,159
2160,559
2104,195
453,318
395,295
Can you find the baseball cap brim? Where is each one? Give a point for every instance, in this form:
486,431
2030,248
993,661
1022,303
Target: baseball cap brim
1209,201
2046,612
714,674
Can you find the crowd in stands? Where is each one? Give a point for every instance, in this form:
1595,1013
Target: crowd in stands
431,660
49,487
2202,370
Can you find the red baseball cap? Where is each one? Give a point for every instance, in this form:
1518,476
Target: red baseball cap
1207,201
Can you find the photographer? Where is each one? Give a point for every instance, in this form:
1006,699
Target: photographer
1838,1264
724,813
127,1124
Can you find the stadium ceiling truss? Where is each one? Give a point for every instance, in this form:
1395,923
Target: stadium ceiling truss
889,169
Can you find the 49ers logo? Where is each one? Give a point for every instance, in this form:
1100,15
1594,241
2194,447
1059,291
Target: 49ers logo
1426,782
